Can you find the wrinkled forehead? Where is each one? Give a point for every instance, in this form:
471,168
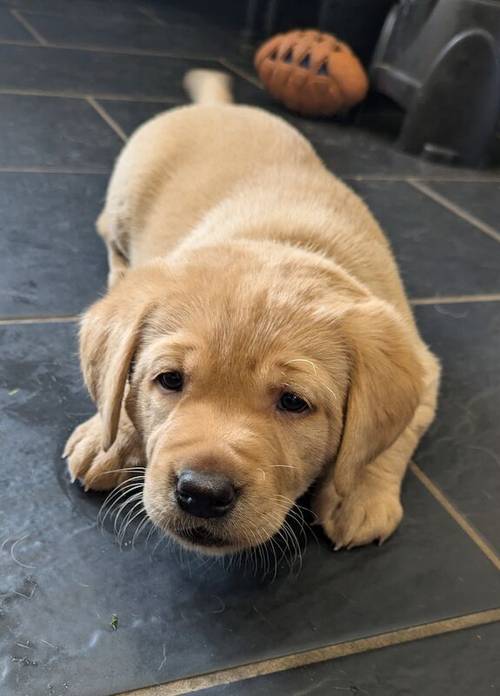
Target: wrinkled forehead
246,348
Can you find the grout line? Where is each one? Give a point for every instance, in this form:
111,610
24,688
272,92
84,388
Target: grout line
423,301
129,51
53,170
81,95
107,118
147,12
494,297
465,178
40,320
481,543
69,318
471,219
172,101
28,26
20,42
95,48
310,657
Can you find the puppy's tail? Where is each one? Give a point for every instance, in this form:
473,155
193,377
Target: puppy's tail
208,86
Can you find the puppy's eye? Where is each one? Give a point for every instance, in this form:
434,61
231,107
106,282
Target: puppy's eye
292,403
173,381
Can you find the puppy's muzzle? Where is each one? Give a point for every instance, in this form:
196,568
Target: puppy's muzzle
204,494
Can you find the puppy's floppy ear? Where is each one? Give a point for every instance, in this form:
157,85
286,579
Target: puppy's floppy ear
109,336
386,381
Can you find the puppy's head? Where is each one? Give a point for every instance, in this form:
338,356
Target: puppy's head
246,374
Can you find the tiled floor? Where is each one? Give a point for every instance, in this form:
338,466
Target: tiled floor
419,616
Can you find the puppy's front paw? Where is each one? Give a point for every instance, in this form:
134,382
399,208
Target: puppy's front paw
365,515
95,468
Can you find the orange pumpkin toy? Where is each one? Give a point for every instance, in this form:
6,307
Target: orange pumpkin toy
311,72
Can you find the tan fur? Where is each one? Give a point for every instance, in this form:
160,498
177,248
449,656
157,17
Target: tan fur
237,258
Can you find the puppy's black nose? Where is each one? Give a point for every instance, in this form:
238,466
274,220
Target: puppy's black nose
204,494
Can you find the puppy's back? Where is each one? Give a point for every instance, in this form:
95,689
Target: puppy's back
184,161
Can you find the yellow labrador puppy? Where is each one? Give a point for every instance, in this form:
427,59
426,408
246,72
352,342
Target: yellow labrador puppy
255,339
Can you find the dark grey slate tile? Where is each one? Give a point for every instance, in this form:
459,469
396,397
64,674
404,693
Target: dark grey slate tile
51,260
461,663
54,132
481,198
438,253
349,150
99,73
244,61
354,149
178,616
178,13
11,29
461,452
191,40
87,72
111,9
219,12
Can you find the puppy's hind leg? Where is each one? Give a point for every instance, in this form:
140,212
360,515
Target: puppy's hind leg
117,259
